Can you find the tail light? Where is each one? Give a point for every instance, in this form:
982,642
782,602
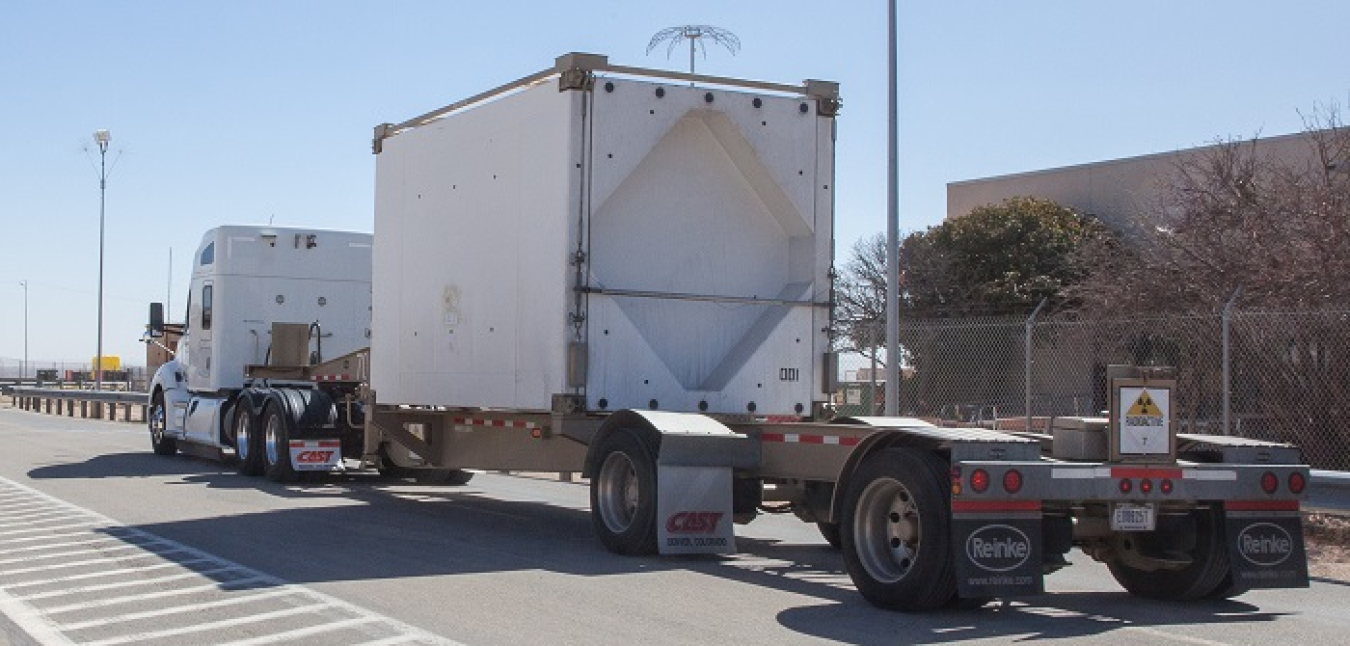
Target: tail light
1126,486
1269,482
979,480
1012,481
1297,483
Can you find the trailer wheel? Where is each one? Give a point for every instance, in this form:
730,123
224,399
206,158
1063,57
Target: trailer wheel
896,531
158,420
277,444
1208,575
247,439
623,495
830,532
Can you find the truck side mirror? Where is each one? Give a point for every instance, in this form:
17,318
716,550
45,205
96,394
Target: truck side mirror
156,320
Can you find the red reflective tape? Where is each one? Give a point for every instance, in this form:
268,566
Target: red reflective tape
983,506
772,437
1261,505
297,444
330,444
812,439
849,441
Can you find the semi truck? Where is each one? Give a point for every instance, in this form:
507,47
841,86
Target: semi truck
627,273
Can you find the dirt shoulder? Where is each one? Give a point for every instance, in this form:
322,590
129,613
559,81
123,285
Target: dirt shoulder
1327,537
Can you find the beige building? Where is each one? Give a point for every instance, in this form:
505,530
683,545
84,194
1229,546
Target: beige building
1111,190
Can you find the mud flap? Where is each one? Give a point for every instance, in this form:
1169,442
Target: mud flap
997,547
693,510
316,455
1265,547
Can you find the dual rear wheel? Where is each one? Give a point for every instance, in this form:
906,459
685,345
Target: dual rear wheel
262,442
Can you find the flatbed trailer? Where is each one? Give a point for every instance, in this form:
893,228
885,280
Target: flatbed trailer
628,274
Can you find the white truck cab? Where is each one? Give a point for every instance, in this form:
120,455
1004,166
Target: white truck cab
244,280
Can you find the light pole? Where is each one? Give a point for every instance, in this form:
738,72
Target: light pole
893,235
23,371
101,137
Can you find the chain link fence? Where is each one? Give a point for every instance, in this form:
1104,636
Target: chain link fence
1278,376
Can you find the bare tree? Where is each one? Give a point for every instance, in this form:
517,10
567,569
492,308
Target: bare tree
1233,216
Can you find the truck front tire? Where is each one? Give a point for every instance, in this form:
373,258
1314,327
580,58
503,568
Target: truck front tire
158,420
623,494
896,531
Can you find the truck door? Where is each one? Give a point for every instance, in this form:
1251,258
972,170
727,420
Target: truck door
200,322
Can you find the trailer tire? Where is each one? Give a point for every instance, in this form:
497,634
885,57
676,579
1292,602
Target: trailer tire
247,440
895,533
830,532
1208,575
158,421
623,494
276,443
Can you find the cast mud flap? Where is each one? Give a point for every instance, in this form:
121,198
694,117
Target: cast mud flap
997,547
1265,544
693,510
316,455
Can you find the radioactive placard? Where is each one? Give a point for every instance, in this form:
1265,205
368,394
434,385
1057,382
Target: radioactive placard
1145,425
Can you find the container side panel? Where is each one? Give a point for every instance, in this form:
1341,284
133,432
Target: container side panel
471,289
703,197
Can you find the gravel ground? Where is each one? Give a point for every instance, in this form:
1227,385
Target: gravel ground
1328,542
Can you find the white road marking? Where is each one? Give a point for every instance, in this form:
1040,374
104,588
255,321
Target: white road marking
60,555
213,625
144,596
283,637
54,535
172,610
99,575
48,546
123,584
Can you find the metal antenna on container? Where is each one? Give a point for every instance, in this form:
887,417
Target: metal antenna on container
695,34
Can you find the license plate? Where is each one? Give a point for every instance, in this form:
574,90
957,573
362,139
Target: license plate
1133,518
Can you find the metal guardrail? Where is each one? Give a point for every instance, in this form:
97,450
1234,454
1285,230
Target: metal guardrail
97,404
1329,492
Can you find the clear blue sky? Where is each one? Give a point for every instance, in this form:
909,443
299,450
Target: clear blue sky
241,111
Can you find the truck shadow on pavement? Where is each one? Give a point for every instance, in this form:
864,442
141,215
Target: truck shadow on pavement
1048,616
363,527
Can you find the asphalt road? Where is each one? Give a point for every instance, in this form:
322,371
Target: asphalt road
103,542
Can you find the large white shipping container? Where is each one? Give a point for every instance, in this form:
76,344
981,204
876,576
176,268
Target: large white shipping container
609,235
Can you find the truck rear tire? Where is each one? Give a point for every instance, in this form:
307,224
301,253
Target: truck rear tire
276,442
1208,575
896,531
623,494
157,420
247,440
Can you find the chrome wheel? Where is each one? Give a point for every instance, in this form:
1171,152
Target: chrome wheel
271,439
619,492
243,436
888,528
